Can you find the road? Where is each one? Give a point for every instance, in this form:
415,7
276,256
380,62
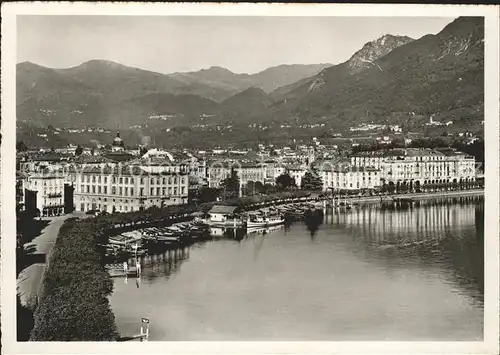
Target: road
30,279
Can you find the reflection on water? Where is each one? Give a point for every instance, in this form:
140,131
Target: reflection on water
411,272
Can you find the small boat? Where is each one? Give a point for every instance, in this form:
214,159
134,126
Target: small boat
124,240
264,221
167,238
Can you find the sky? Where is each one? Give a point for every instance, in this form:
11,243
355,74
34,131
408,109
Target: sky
169,44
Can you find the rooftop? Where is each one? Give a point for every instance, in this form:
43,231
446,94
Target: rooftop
223,209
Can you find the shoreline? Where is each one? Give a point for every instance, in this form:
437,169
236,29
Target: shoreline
414,196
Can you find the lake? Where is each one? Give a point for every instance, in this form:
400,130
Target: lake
371,273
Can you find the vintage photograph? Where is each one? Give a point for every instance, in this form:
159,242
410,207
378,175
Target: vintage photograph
250,178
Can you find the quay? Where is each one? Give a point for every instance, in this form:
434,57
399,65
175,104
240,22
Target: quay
414,196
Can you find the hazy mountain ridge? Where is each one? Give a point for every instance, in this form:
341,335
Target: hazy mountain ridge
99,92
391,79
267,80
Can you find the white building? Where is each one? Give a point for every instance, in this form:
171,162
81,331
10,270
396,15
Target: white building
130,187
348,177
419,166
49,188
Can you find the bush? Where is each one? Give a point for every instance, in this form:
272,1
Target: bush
74,303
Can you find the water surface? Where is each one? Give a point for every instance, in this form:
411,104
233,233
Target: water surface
372,273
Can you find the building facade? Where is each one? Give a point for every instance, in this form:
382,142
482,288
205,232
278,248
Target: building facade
48,187
419,166
129,187
349,177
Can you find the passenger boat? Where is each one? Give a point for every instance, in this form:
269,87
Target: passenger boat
258,220
233,222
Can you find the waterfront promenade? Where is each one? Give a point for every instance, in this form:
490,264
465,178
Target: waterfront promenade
30,279
416,196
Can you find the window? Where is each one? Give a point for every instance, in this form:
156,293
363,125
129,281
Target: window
82,179
158,181
113,190
105,189
88,178
164,181
131,180
175,180
170,180
163,191
157,191
93,178
152,191
131,191
88,188
142,182
175,191
183,190
99,189
121,180
105,179
99,179
152,181
82,189
141,191
121,191
114,179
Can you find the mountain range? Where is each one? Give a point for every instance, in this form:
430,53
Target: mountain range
391,79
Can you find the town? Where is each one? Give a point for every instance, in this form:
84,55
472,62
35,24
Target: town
124,179
250,178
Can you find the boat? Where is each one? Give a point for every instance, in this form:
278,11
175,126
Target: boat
255,221
235,222
124,240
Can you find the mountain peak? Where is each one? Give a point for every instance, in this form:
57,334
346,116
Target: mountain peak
100,63
376,49
217,69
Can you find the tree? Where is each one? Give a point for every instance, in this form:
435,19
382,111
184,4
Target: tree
311,181
21,146
208,194
231,185
143,150
285,181
79,150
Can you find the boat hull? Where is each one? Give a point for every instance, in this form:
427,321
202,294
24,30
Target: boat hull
265,224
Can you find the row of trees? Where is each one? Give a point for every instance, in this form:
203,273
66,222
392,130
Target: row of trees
230,186
432,187
74,303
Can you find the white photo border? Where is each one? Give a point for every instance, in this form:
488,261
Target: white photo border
490,344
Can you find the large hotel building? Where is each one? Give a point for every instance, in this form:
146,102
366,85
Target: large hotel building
130,187
419,166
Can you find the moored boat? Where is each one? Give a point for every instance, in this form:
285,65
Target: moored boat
260,220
